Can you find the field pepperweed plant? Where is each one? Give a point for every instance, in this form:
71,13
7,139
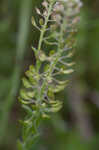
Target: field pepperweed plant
57,26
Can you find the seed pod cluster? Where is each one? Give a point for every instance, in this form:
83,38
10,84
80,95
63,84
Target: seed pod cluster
57,26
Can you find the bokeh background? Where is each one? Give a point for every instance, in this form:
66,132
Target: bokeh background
76,127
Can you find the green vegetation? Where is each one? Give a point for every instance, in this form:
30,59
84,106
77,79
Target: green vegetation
42,81
46,47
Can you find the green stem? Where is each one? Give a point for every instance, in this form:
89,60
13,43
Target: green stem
41,40
43,30
45,26
53,64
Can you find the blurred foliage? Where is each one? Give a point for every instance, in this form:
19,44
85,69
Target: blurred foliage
77,126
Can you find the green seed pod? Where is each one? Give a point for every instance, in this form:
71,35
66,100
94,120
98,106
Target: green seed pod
41,22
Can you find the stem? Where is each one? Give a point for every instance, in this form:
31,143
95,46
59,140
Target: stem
53,64
43,30
43,95
44,27
41,40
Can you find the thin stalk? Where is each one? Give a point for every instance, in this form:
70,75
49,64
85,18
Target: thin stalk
43,30
46,89
42,37
44,27
53,64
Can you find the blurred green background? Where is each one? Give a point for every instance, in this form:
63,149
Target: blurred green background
76,127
